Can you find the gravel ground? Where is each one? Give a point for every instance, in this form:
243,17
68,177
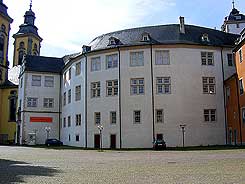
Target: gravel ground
40,165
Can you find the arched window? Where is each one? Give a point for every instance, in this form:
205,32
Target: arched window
3,28
20,58
35,46
22,45
1,49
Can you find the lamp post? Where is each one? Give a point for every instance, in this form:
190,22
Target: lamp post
47,130
183,134
100,127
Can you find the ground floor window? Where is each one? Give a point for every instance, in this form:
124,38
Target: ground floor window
77,138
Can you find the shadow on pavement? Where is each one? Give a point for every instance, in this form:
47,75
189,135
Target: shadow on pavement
15,171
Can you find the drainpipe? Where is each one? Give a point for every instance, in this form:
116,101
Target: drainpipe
152,96
120,96
86,102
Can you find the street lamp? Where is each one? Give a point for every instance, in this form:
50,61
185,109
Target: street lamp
100,127
47,130
183,134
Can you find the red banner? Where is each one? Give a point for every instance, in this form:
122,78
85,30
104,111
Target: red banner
41,120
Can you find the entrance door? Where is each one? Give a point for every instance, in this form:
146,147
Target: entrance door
113,141
159,137
97,141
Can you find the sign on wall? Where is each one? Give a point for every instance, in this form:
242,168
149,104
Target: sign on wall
41,119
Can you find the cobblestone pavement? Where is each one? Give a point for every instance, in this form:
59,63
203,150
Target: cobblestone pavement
40,165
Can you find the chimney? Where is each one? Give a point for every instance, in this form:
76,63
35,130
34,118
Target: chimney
182,24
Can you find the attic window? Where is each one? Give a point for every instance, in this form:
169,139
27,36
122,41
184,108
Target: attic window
205,37
145,37
113,41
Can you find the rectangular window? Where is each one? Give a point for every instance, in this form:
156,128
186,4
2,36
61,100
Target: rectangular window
69,121
69,74
162,57
113,117
112,61
97,118
78,93
240,55
228,93
78,68
112,88
209,115
243,115
95,64
64,122
64,99
207,58
230,59
77,138
49,81
95,89
78,119
137,117
48,102
163,85
36,80
241,89
32,102
69,96
159,115
208,85
137,86
137,58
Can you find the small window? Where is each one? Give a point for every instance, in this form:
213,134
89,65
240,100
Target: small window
78,119
230,59
78,68
69,121
97,119
209,115
137,86
228,93
241,88
145,37
159,116
95,89
137,59
137,117
64,99
64,122
48,102
162,57
240,55
69,96
112,88
112,61
95,64
205,37
32,102
113,117
208,85
49,81
207,58
78,93
77,138
36,80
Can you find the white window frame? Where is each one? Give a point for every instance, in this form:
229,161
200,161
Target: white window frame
32,102
230,60
113,117
48,102
78,119
95,89
209,114
112,88
48,81
209,87
111,61
137,58
137,87
78,68
95,64
159,117
162,57
137,117
36,80
78,93
97,118
207,58
163,85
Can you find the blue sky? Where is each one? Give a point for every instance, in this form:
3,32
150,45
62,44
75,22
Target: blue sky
66,25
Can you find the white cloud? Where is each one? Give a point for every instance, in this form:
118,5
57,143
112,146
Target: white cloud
69,24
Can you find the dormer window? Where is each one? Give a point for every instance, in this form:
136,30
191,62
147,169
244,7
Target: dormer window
145,37
205,37
86,48
113,41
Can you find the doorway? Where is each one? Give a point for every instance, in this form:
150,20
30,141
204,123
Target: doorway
97,141
113,141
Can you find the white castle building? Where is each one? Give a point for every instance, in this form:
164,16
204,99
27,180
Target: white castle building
140,84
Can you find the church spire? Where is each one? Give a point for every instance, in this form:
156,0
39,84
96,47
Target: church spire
30,4
233,4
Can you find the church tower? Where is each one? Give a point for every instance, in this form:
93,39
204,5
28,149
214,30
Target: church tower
5,21
27,41
235,22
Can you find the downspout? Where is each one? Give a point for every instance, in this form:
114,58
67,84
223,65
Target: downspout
222,61
60,99
239,106
86,103
153,102
120,96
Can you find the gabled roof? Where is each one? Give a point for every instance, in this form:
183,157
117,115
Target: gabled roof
43,64
167,34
